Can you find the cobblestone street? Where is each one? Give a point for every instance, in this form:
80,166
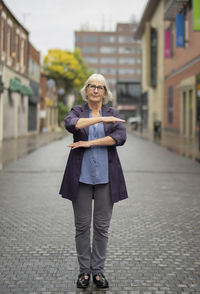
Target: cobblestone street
154,244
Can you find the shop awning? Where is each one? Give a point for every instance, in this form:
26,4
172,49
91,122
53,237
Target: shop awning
16,86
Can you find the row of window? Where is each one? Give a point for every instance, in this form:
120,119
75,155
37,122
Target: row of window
34,69
110,50
120,71
112,60
105,39
11,42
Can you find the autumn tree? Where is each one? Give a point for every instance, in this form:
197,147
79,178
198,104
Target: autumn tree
66,68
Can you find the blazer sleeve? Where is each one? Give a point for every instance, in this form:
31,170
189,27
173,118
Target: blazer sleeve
119,131
71,120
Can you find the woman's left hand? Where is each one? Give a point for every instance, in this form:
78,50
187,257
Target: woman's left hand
85,144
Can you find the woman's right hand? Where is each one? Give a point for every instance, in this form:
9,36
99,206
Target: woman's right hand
111,119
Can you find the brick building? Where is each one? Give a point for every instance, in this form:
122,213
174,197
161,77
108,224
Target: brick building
182,73
14,56
20,73
34,100
116,55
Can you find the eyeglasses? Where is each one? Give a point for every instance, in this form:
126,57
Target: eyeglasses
94,87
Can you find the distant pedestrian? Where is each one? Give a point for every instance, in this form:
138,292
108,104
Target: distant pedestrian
94,171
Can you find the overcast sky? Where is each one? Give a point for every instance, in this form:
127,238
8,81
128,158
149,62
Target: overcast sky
51,23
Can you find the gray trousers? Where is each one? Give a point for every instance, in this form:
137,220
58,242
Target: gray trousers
91,260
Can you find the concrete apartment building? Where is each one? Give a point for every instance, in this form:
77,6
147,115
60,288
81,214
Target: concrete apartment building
182,72
117,56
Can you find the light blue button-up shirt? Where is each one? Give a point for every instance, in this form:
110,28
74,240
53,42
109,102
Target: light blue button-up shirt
94,169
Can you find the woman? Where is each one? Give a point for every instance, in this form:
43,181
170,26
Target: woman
93,171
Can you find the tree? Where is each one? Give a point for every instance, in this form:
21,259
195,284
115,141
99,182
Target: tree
66,68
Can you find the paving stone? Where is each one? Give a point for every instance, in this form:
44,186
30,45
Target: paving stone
154,234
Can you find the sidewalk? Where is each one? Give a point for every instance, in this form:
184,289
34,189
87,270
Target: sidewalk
173,142
13,149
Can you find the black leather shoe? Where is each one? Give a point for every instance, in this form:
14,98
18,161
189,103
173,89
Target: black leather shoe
101,282
82,282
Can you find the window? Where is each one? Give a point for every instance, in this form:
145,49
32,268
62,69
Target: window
170,105
126,60
126,50
111,81
108,60
125,39
9,38
88,49
18,48
108,39
128,93
22,53
90,39
138,61
153,57
33,69
105,49
126,71
108,71
92,60
2,35
77,38
139,71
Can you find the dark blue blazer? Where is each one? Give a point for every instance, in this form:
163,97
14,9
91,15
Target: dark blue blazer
70,182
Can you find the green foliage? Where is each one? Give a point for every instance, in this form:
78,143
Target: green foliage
62,112
67,68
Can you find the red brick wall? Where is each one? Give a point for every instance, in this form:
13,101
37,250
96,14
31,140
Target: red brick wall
181,57
34,54
175,81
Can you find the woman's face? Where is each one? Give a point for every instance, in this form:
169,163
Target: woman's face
95,91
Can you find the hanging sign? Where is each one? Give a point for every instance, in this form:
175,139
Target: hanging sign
196,15
167,50
180,30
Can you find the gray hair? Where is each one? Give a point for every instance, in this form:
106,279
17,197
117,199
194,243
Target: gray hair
99,78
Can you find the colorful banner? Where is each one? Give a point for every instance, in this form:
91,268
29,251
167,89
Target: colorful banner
180,30
196,15
167,48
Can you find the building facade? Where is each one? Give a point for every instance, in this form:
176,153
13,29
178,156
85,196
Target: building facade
34,100
182,71
20,74
114,54
14,69
151,31
48,104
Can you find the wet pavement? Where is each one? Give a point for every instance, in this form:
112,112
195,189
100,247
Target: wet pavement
154,243
187,147
13,149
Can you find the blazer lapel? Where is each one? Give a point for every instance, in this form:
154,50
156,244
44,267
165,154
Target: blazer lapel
85,114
